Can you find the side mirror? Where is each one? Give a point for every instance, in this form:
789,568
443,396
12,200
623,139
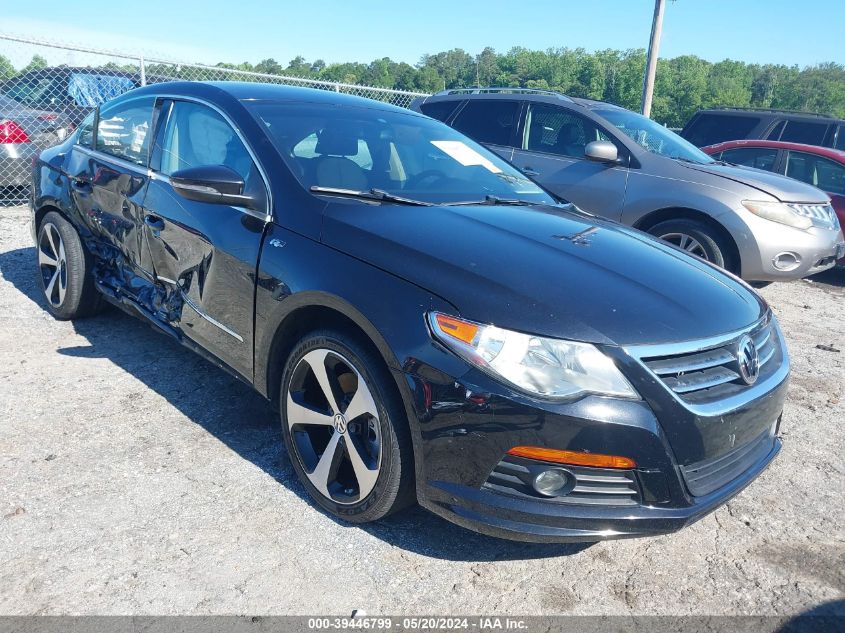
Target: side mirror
215,184
601,152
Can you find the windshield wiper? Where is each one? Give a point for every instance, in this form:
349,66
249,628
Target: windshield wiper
493,201
373,194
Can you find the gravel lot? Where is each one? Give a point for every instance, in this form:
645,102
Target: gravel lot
135,478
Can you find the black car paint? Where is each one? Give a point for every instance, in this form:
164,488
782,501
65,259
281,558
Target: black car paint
382,268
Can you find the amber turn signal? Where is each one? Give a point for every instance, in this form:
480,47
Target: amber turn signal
573,458
461,330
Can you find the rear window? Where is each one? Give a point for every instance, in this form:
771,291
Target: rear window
440,110
804,132
709,129
488,121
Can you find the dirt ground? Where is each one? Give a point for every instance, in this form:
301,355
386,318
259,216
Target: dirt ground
135,478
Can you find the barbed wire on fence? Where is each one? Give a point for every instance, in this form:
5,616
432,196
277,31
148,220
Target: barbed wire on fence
42,103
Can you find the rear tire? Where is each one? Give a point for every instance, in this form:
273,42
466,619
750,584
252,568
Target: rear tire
359,465
695,238
64,268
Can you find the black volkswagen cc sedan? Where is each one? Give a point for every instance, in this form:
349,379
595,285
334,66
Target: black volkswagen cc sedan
431,325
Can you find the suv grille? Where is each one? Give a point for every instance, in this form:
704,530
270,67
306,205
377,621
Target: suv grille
711,374
819,213
593,486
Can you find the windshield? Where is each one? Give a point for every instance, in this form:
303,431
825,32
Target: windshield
361,149
653,136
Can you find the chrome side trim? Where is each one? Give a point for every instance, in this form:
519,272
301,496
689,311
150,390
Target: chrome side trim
205,316
111,158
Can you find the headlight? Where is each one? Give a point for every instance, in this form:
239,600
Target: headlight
778,212
547,367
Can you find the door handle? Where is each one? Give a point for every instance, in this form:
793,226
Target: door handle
530,171
155,223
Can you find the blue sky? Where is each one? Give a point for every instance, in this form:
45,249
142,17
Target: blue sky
781,31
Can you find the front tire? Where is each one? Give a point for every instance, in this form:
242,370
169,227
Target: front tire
695,238
64,268
345,429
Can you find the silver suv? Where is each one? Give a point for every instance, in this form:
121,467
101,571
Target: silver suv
612,162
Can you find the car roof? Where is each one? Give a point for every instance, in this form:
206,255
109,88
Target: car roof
766,112
834,154
254,91
514,94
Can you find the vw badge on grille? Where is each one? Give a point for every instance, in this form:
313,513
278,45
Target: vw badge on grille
748,360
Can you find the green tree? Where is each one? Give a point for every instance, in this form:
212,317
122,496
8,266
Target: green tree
7,71
36,63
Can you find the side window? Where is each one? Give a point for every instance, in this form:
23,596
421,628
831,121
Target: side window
557,131
776,131
86,131
804,132
440,110
840,138
820,172
124,130
759,157
197,135
490,121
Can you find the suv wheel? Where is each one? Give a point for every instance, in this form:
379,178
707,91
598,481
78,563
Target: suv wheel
64,268
694,237
344,428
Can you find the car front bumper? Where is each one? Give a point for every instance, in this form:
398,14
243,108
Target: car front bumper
762,243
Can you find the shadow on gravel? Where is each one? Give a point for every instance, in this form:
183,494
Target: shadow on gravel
244,421
833,277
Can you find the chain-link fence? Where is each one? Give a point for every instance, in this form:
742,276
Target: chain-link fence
56,85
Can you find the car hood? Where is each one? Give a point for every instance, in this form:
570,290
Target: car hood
783,188
525,268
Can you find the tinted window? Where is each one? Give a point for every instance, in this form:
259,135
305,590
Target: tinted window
804,132
86,131
707,129
409,155
440,110
840,138
488,121
197,135
38,90
758,157
123,129
558,131
776,131
820,172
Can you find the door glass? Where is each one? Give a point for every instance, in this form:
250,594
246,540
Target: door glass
759,157
820,172
490,121
840,138
123,129
804,132
440,110
557,131
86,131
196,135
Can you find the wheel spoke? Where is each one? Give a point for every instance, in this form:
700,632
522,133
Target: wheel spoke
317,361
362,402
49,232
51,286
365,476
323,470
300,414
684,242
62,285
44,259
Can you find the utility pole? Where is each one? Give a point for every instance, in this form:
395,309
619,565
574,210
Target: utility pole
651,60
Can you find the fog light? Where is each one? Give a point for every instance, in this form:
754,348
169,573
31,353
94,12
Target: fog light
551,483
786,261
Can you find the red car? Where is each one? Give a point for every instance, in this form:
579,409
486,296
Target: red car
821,167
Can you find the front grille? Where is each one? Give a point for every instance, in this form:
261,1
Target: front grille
593,486
707,375
710,474
819,213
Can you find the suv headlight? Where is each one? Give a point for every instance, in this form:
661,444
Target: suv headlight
547,367
778,212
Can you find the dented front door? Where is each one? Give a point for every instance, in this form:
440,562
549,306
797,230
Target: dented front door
204,254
